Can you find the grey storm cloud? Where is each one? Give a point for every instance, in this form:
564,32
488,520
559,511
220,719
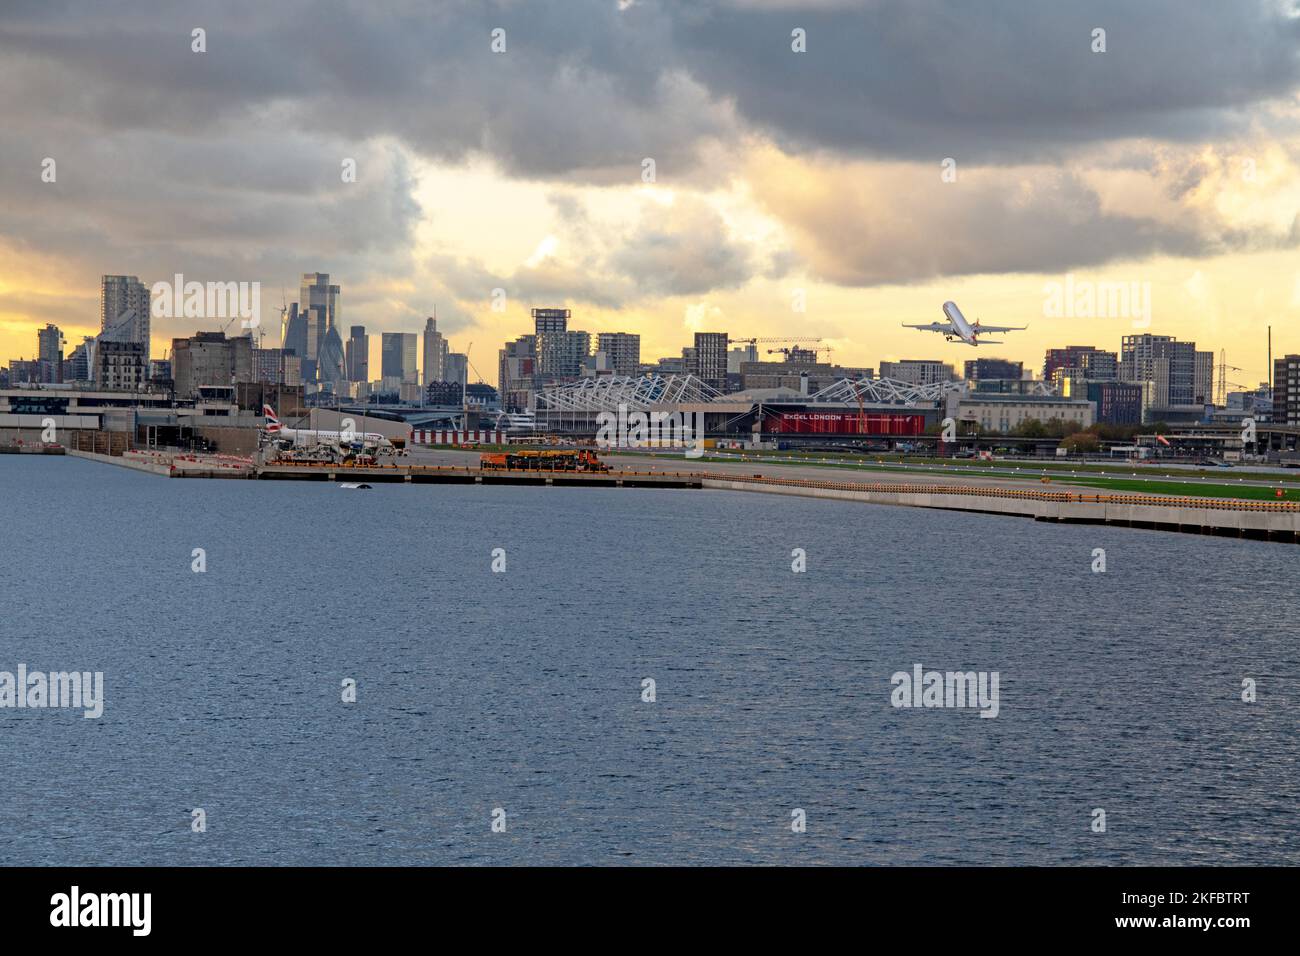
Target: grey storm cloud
585,87
229,160
251,206
581,87
994,81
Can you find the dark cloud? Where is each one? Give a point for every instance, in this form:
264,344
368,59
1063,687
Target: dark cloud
225,209
226,163
994,81
586,89
253,197
581,89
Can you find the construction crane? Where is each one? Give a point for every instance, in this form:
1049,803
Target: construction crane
284,312
471,364
792,351
771,340
464,392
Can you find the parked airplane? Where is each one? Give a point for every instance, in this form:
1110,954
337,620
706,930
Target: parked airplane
300,436
958,328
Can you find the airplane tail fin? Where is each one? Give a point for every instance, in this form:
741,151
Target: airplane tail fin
272,423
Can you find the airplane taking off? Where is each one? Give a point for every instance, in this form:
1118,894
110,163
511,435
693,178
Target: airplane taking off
958,328
299,436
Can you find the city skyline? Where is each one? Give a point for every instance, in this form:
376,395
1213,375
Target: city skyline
963,356
1159,161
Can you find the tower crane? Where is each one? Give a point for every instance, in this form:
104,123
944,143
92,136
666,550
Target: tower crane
471,364
284,312
772,340
789,351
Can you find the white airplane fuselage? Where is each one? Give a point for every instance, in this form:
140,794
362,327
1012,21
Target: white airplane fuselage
957,328
302,437
965,331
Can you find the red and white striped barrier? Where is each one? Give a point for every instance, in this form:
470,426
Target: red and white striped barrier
426,436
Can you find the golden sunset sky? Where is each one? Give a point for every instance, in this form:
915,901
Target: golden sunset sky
1169,160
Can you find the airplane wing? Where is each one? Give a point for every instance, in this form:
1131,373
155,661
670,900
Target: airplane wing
981,329
930,326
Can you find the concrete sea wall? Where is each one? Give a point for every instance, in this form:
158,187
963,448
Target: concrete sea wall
1263,520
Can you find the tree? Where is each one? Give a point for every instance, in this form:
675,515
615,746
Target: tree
1059,428
1081,443
1030,428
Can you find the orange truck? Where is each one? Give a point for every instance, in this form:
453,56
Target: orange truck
579,460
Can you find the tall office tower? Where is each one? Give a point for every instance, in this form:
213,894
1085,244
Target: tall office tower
435,353
49,344
79,366
710,359
357,358
563,354
293,333
318,301
517,364
410,351
986,368
557,348
124,310
456,368
330,365
1163,360
1286,390
1092,363
397,357
1203,379
622,349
